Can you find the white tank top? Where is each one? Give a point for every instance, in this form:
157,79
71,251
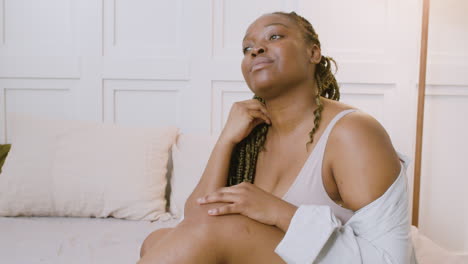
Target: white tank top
308,187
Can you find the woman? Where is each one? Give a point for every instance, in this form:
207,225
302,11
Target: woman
295,176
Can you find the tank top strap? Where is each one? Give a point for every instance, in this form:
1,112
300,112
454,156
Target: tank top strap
308,187
324,138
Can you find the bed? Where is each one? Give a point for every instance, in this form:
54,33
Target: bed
116,238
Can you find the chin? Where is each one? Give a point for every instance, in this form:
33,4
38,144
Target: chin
262,85
262,90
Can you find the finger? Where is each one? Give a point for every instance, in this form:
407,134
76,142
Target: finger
226,197
254,104
257,122
230,189
224,210
260,115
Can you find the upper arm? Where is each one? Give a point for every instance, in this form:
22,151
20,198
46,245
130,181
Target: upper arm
362,159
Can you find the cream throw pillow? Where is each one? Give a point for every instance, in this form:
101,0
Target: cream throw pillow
190,155
428,252
84,169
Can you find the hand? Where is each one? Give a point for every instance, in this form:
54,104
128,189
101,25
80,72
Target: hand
249,200
243,117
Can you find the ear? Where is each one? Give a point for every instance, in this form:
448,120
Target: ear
315,54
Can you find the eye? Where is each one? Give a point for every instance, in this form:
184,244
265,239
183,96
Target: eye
246,49
275,37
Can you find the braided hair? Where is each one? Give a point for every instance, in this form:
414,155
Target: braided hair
244,156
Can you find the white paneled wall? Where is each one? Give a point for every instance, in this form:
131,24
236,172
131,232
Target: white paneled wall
444,207
161,62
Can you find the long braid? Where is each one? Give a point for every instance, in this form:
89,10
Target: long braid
244,156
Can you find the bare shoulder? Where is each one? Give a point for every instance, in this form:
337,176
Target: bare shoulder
362,159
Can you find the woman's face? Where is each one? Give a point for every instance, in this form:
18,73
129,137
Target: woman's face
275,56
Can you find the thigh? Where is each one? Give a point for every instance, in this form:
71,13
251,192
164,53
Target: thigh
152,239
188,242
227,239
239,238
248,241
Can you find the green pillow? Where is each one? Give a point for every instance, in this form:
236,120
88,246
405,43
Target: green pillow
3,154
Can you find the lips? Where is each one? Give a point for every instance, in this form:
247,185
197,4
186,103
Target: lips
260,63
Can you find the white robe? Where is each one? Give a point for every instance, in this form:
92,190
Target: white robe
377,233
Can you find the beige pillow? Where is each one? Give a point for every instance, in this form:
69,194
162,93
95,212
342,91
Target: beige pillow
190,155
428,252
84,169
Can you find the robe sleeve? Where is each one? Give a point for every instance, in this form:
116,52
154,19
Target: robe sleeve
377,233
315,234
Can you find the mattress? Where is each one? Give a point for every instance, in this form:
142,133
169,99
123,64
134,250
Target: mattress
32,240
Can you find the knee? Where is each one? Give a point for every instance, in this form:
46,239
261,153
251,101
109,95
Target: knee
217,234
151,240
225,227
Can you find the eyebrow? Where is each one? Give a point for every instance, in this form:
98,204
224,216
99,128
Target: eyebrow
269,25
276,23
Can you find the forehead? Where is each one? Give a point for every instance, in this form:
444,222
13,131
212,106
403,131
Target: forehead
269,19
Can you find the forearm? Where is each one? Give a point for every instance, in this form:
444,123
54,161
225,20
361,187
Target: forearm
215,173
285,213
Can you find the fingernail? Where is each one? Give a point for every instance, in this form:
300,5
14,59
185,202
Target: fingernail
212,211
200,200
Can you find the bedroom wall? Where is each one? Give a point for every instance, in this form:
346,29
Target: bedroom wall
444,207
178,63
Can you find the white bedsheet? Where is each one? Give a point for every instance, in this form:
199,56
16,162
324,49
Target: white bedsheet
32,240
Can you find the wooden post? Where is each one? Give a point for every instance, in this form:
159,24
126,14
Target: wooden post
420,112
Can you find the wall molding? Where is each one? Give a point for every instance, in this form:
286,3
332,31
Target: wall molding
3,21
219,50
446,90
110,41
43,67
110,88
3,102
219,88
146,68
366,88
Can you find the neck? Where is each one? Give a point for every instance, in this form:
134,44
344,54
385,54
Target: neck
293,110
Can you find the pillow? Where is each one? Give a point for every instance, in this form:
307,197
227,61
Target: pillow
428,252
190,155
3,154
84,169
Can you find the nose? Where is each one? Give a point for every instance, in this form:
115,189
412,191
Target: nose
257,50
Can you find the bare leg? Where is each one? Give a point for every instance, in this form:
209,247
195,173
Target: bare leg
189,242
255,244
153,239
202,238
